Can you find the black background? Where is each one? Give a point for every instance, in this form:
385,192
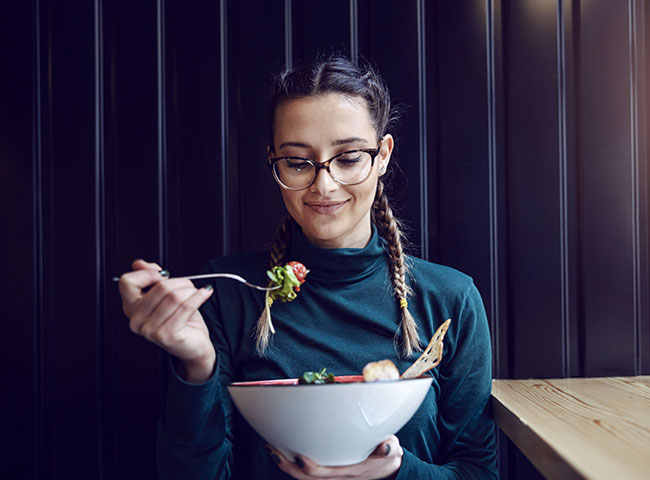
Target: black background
138,130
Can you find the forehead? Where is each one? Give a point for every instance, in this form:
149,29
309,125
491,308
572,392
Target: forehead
325,118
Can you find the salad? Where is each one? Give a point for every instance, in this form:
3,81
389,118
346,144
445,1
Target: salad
288,277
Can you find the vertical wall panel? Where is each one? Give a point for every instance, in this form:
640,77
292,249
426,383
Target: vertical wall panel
102,280
69,326
568,55
605,190
19,290
133,365
462,179
643,33
320,27
259,208
396,57
193,145
534,192
639,164
497,303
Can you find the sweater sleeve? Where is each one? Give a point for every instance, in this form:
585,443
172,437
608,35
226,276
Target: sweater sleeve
194,432
467,431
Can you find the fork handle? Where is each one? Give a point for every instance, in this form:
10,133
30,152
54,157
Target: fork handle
206,275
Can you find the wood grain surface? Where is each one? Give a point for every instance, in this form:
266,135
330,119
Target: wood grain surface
594,428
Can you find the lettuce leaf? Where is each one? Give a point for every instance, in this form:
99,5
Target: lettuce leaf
287,280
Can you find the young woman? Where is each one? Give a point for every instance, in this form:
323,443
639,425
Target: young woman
364,300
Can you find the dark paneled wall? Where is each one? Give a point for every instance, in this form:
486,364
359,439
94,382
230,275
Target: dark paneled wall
138,130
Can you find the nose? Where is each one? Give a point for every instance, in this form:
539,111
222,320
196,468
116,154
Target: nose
324,183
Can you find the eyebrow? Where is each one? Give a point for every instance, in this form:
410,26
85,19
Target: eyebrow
342,141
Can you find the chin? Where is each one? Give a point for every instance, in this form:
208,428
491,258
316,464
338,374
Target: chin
324,234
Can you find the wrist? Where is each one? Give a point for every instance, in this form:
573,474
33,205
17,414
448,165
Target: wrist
198,370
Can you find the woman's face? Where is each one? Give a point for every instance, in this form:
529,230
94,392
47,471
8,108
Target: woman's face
319,127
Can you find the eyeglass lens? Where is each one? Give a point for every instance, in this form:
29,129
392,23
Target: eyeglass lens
348,169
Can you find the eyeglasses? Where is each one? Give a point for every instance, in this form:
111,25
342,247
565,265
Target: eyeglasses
347,168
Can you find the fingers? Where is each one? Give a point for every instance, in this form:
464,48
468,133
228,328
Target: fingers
140,264
132,283
384,461
166,331
388,448
287,466
159,304
162,300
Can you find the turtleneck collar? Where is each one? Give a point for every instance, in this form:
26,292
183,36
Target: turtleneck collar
337,263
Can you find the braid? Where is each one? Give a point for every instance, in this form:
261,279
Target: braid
281,243
278,250
388,227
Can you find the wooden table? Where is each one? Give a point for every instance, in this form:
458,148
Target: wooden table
595,428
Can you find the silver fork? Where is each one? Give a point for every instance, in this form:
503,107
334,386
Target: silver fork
231,276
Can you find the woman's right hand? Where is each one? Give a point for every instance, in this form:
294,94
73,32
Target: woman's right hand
167,315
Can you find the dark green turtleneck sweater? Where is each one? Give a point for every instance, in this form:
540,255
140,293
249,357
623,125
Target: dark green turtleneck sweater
344,317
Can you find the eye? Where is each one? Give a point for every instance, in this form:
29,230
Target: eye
349,158
297,165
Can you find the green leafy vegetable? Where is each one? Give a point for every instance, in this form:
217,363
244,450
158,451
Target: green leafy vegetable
286,278
317,377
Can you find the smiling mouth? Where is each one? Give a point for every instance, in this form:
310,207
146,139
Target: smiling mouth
325,208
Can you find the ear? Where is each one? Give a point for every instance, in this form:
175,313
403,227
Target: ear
387,145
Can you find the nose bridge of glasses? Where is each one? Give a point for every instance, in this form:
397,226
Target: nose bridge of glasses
323,166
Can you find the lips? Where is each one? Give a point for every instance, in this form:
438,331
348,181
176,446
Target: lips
325,208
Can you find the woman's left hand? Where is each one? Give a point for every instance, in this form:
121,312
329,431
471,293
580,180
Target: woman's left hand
384,462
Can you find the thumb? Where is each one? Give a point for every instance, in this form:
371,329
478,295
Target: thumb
385,447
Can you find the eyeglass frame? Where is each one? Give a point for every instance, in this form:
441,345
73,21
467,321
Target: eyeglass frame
373,152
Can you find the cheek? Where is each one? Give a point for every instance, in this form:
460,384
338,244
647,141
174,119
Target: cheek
366,197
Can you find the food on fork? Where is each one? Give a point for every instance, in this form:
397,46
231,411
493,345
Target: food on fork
288,277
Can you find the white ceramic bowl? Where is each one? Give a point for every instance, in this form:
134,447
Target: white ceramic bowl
333,424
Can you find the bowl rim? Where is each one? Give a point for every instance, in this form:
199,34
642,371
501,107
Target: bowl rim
344,380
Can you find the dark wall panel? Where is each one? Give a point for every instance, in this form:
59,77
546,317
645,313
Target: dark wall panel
397,59
193,111
643,29
318,27
135,221
259,208
462,179
532,146
70,349
606,190
20,290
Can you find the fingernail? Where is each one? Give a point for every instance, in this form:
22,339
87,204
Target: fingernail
276,459
387,449
164,273
208,287
299,461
